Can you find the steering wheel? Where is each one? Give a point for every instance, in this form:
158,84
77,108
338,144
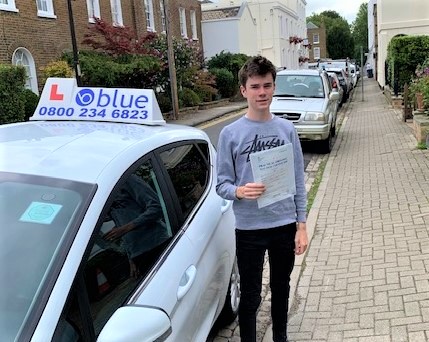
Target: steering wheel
300,85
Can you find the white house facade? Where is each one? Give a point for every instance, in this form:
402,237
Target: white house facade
230,29
393,18
271,28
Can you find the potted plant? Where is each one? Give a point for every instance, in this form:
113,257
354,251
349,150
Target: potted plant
419,87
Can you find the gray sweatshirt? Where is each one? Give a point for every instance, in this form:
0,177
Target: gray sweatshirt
236,142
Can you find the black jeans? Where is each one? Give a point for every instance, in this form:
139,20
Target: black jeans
251,248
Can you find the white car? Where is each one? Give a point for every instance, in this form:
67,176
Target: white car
354,75
336,86
306,98
111,231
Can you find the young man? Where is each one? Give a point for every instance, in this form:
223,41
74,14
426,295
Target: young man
278,228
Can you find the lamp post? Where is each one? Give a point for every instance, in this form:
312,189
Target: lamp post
361,67
74,45
171,63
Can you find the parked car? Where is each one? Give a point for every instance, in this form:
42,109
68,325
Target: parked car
113,230
336,86
353,74
338,63
306,98
343,81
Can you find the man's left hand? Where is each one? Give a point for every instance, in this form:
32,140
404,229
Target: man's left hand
301,238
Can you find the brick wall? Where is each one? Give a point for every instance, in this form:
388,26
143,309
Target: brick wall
47,38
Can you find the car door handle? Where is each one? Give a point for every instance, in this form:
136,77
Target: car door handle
226,204
186,281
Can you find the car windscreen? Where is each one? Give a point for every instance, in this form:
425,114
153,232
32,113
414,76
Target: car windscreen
299,86
342,65
39,219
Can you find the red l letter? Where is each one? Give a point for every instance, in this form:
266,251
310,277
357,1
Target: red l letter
54,95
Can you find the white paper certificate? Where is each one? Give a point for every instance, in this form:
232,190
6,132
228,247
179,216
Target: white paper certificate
275,169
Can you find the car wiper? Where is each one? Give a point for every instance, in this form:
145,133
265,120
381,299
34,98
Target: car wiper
284,95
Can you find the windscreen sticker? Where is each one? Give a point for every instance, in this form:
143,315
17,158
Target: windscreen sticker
38,212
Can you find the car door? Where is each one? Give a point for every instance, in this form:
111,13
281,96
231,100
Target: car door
199,274
151,265
332,104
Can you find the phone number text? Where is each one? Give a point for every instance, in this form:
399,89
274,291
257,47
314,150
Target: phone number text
94,113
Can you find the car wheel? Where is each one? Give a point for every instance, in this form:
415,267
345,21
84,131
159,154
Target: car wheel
326,145
232,301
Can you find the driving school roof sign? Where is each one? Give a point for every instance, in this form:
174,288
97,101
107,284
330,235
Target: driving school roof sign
63,100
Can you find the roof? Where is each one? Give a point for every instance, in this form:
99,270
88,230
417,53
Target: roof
220,13
310,25
82,151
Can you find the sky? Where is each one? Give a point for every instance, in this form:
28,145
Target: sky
345,8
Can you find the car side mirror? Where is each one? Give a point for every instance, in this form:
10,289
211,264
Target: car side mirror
334,96
136,323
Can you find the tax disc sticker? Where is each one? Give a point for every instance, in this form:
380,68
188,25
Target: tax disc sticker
38,212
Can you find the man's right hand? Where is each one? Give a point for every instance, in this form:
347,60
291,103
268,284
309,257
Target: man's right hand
250,191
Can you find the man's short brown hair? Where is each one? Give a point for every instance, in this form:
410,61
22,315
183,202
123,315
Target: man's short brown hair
259,66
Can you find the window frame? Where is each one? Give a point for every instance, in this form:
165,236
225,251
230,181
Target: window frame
49,13
163,18
316,38
182,22
116,10
31,81
93,7
150,21
9,7
316,49
183,217
194,30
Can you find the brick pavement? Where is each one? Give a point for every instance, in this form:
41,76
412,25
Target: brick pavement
365,276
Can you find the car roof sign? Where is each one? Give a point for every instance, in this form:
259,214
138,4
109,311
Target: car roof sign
63,100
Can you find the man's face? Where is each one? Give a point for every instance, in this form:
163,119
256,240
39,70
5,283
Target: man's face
259,92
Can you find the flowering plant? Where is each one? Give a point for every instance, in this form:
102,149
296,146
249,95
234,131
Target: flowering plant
419,86
295,40
422,70
303,59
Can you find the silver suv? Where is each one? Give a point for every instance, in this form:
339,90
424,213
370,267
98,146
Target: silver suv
306,98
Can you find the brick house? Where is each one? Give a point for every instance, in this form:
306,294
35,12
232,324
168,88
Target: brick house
317,38
36,32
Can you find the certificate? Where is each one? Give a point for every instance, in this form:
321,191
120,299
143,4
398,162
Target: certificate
275,169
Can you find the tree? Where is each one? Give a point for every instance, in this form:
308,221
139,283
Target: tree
133,57
360,30
339,40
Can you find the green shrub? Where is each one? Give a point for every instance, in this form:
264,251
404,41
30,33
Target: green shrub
164,102
57,69
188,98
12,103
404,53
126,71
31,100
225,82
227,60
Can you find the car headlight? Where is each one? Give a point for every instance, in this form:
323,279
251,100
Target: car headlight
315,116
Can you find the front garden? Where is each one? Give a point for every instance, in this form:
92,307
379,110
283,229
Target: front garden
114,58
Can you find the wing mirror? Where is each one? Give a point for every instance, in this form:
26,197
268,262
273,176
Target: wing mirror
334,96
136,323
